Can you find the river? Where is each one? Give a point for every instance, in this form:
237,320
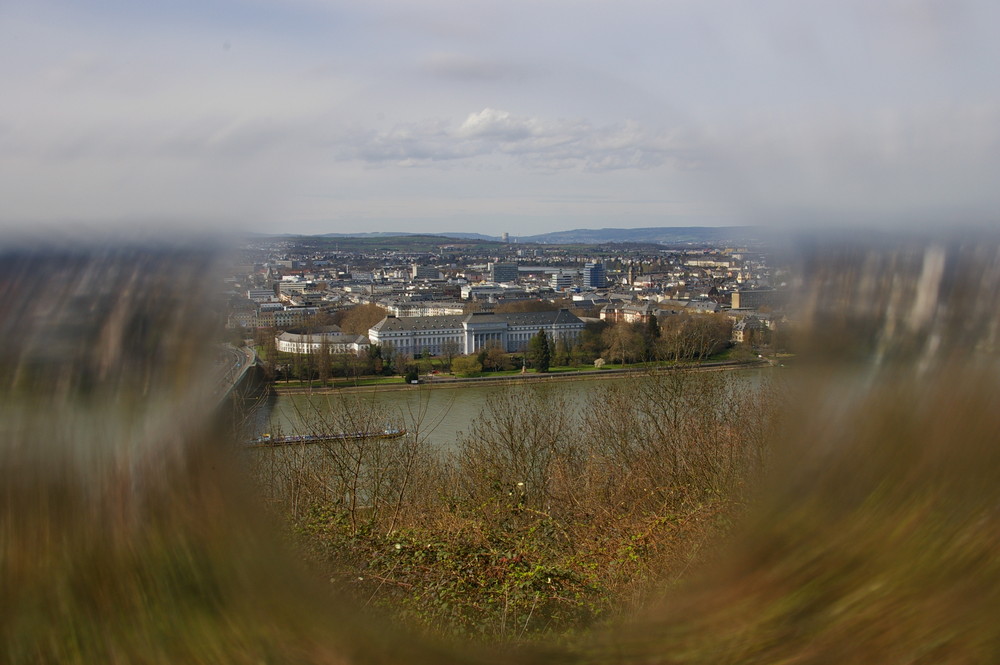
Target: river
442,413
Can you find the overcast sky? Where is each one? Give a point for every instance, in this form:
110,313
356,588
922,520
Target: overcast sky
317,116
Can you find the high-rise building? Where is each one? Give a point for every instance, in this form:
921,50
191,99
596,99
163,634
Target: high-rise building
424,272
505,237
757,298
562,280
594,276
503,272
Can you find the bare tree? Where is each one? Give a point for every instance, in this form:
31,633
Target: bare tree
450,349
622,342
495,358
360,318
509,452
324,363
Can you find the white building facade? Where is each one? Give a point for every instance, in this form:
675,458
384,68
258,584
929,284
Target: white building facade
471,332
334,342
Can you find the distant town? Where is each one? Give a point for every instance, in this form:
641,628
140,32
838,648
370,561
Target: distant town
321,307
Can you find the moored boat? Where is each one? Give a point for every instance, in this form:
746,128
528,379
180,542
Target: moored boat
304,439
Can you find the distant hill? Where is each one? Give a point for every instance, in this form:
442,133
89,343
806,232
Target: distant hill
393,234
667,235
373,234
662,235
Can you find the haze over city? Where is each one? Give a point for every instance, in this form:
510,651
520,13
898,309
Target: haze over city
316,117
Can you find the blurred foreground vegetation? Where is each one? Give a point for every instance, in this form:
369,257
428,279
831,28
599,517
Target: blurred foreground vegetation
541,522
671,524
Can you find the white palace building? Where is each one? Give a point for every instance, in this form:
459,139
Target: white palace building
414,334
333,341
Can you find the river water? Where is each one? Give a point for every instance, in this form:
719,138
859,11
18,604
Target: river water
441,413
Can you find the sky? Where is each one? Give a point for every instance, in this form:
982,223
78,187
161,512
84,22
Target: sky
319,116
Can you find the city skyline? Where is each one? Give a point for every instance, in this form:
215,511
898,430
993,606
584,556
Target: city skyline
316,117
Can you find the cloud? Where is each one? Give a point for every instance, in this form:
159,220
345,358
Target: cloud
530,141
499,125
893,165
853,108
466,68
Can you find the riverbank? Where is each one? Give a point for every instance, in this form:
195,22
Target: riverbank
513,379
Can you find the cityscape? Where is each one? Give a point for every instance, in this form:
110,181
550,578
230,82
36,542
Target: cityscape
459,298
499,333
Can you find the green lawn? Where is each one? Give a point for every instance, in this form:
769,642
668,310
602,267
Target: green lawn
344,383
425,365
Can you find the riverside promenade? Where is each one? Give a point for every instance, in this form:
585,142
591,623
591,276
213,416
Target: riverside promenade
432,381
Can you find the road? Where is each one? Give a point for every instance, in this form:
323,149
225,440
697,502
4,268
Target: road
232,364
